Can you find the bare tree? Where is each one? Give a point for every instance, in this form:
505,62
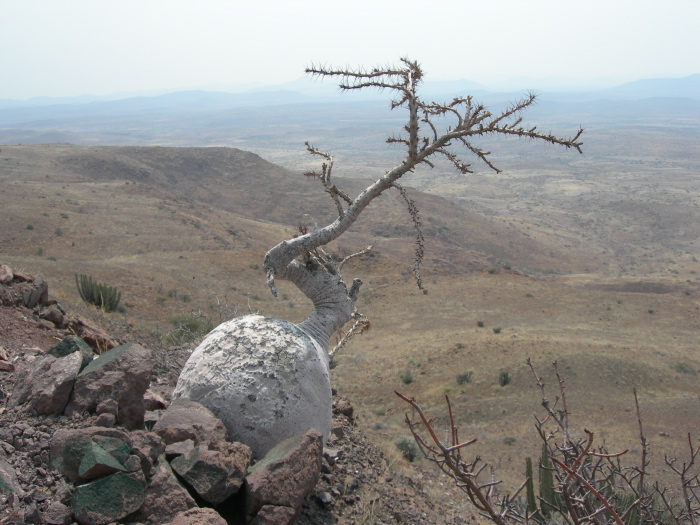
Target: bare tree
423,140
432,131
586,484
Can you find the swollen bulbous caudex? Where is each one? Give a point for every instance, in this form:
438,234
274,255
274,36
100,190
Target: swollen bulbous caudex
266,379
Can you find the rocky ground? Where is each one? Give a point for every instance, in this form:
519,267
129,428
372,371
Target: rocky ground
357,483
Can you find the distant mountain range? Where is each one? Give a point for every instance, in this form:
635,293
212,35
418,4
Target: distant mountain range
303,91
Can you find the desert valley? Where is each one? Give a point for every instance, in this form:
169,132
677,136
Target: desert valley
588,260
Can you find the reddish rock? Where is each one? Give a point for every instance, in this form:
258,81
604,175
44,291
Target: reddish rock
343,406
185,419
36,296
121,374
165,498
58,514
22,277
154,401
215,471
273,515
199,517
149,447
47,386
178,449
92,334
54,315
286,475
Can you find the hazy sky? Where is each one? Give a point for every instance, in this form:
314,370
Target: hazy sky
72,47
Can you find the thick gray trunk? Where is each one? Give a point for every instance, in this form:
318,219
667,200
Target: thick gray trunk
333,303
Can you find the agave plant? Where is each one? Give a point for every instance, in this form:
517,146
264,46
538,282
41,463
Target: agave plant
99,294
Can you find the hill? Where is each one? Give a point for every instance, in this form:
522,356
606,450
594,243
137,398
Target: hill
183,230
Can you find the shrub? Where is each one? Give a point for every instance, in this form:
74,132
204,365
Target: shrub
466,377
188,327
407,446
503,378
58,232
683,368
497,330
480,324
98,294
30,226
406,377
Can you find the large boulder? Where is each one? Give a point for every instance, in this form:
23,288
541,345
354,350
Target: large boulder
266,379
122,374
47,386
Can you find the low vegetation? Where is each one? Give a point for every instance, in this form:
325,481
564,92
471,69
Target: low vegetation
580,480
98,294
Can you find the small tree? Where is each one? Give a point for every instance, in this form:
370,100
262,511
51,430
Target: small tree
423,139
222,372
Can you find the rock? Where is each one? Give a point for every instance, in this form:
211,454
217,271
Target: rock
153,401
4,355
108,406
337,430
92,334
73,344
178,449
6,367
121,374
273,515
198,517
107,500
47,386
286,475
266,379
22,277
54,315
148,446
38,295
165,497
6,274
343,406
215,471
8,480
68,446
32,515
58,514
185,419
97,462
106,420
